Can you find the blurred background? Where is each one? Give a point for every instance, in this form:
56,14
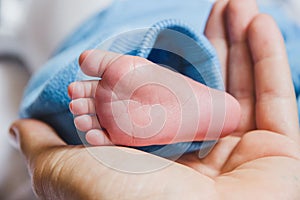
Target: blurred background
30,30
14,181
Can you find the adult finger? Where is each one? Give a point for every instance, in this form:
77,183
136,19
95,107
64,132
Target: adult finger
216,33
33,137
276,108
240,71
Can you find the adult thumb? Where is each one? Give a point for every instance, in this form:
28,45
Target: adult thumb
33,137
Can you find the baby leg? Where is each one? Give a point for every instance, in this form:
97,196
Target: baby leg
138,103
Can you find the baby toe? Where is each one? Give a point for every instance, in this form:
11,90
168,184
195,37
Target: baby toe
83,106
85,123
98,138
82,89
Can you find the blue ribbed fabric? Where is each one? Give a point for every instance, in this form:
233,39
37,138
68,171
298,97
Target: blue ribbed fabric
168,32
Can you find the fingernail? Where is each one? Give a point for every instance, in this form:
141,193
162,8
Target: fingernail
13,133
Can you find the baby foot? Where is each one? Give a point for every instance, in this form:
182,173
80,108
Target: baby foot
138,103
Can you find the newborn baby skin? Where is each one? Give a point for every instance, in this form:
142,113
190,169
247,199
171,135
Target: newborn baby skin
139,103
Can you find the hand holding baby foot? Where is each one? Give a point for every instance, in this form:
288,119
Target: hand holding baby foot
261,164
139,103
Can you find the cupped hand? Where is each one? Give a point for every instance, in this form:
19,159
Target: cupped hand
261,160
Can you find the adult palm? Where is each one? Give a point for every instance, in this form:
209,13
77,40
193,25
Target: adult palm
260,160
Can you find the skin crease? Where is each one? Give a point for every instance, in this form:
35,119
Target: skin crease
261,160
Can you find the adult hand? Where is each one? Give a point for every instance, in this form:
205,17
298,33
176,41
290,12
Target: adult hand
59,171
261,160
